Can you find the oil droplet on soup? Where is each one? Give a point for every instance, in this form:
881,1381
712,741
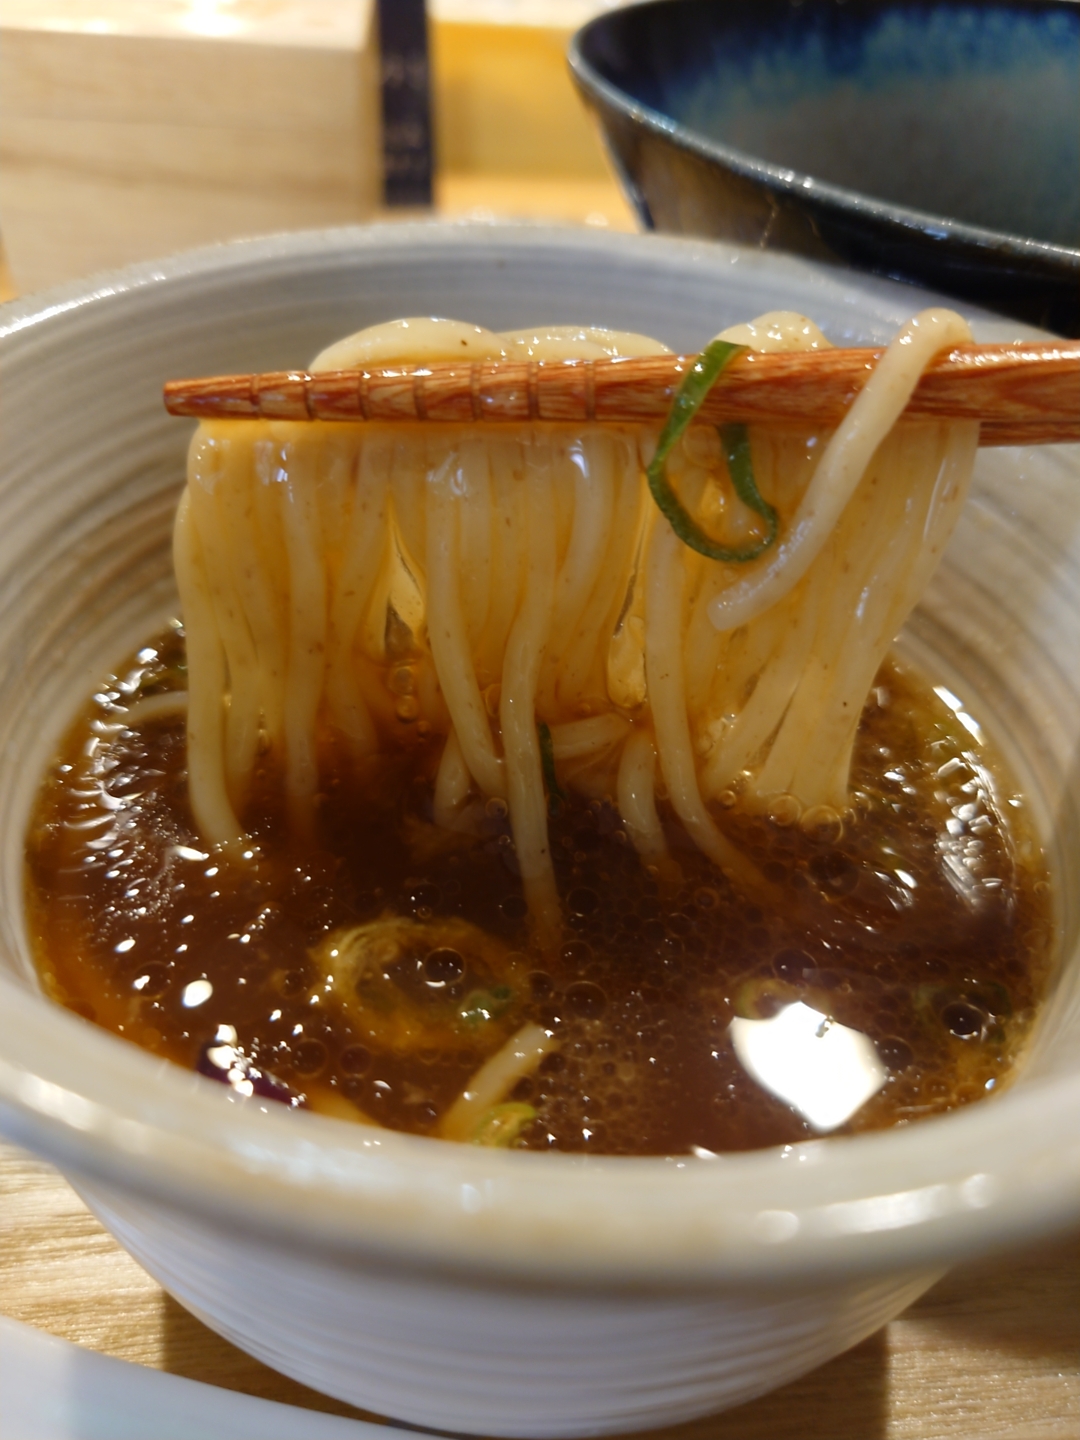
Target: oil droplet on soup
370,972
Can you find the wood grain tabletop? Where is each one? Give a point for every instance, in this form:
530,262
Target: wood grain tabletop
991,1353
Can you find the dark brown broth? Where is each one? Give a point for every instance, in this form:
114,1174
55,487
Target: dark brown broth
927,925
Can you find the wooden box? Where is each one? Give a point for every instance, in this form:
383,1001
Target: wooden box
135,128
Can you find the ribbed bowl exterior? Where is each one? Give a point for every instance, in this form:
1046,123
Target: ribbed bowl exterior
493,1360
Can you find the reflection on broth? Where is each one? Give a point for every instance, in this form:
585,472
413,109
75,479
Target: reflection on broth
484,799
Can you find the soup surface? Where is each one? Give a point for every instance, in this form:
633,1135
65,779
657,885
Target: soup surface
370,969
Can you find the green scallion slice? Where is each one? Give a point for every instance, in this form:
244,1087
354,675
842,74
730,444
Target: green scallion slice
547,765
697,383
501,1126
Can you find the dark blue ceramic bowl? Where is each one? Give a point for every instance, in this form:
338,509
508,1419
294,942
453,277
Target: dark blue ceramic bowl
936,141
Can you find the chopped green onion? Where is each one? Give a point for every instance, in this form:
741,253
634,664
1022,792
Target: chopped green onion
480,1006
502,1124
547,765
697,383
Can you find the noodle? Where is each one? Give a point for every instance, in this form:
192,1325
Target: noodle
205,711
449,644
451,785
518,1058
636,797
361,560
524,649
371,586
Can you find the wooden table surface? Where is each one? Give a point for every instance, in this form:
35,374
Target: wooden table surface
992,1351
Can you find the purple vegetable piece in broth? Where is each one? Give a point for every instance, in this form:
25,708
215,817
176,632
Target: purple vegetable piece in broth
219,1060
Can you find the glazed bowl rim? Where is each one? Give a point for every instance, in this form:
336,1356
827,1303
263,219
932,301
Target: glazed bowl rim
799,184
103,1109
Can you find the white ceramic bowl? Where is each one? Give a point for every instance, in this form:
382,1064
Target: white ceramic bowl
471,1289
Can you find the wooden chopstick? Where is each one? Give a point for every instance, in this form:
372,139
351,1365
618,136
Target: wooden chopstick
1024,394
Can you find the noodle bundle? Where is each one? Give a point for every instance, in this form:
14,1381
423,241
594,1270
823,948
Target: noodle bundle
513,592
